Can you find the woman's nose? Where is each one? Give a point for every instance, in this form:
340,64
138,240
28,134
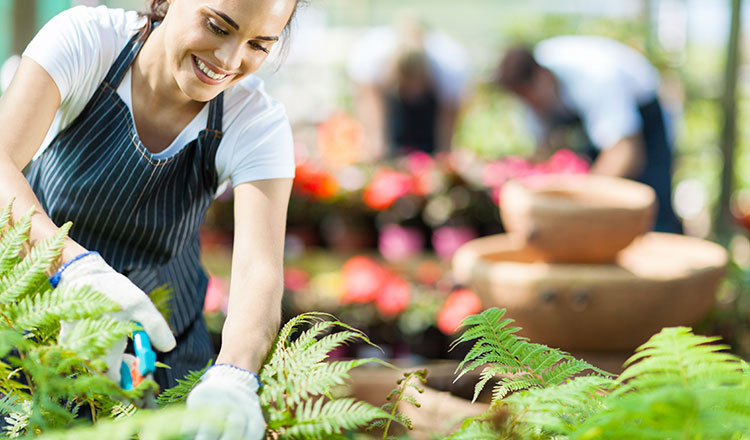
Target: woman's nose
230,56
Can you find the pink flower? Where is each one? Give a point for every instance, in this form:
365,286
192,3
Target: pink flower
362,279
565,162
447,239
459,305
295,279
394,297
217,295
397,243
386,187
419,162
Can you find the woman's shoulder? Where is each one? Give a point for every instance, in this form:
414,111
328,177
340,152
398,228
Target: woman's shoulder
102,19
248,101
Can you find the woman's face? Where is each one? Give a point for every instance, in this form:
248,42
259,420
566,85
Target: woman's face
212,44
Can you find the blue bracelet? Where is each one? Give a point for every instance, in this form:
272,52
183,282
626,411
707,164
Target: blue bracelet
260,384
55,279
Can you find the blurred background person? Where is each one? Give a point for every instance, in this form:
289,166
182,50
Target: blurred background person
410,83
606,93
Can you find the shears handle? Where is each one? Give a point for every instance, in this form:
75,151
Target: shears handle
144,365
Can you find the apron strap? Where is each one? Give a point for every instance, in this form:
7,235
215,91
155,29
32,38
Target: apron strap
127,55
215,112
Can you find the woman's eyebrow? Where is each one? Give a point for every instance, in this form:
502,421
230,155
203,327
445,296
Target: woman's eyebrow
226,18
234,24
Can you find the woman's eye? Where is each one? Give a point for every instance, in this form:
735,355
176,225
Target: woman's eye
257,46
215,29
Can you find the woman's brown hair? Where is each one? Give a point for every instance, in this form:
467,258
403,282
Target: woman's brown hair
158,10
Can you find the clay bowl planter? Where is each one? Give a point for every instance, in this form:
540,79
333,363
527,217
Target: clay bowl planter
660,280
577,218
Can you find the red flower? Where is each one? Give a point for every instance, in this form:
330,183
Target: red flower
459,305
295,279
217,295
362,279
386,187
314,181
393,297
428,272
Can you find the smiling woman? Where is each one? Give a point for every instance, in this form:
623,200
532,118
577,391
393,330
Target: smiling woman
132,122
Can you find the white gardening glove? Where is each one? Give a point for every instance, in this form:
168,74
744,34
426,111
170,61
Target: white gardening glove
231,392
91,270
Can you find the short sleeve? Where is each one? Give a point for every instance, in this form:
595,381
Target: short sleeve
612,116
77,44
369,56
449,64
264,149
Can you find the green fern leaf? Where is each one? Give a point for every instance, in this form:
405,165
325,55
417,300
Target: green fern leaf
558,410
161,297
476,431
179,392
61,304
520,363
90,338
30,274
11,242
675,356
6,215
321,418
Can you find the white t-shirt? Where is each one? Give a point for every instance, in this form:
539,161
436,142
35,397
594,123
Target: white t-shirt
601,80
79,45
446,59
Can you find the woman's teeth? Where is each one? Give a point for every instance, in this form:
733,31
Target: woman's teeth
209,73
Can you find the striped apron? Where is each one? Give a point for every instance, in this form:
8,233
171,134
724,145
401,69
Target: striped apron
139,212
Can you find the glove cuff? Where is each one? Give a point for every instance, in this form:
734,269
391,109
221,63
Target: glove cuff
234,372
55,279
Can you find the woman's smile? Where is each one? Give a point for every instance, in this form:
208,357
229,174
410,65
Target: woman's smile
207,73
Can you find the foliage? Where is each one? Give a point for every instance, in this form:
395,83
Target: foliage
298,385
521,364
402,393
677,385
46,381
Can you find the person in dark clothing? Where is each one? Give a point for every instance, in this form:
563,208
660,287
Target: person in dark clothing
607,94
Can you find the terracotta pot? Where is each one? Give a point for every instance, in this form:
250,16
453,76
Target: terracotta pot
660,280
577,218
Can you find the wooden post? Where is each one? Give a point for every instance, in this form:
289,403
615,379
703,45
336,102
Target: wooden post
729,129
24,23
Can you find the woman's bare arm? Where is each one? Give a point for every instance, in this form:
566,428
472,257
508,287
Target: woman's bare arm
27,109
257,280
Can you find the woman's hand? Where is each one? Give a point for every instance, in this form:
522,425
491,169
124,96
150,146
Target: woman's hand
231,393
91,270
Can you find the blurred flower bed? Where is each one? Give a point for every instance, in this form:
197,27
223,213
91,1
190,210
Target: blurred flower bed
371,242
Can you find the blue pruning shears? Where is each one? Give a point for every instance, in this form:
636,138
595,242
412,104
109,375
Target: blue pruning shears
143,367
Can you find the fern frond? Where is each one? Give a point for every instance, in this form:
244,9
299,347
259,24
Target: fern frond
161,297
179,392
90,338
6,215
11,339
11,241
675,356
28,276
520,363
557,410
320,380
9,403
282,339
668,412
61,304
18,421
476,430
322,417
